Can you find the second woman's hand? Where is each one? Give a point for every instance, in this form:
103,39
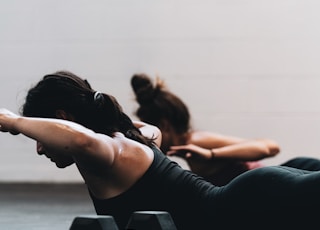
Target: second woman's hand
190,151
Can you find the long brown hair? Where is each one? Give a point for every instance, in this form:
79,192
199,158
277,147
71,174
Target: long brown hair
66,91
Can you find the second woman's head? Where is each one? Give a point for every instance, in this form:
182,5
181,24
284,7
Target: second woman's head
160,107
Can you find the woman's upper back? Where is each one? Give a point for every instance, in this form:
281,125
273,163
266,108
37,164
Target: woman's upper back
130,160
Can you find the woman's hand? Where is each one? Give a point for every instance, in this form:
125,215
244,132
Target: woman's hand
7,119
190,151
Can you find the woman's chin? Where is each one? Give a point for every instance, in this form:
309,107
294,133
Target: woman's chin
61,166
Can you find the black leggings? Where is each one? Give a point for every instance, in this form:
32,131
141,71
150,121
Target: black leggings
265,195
306,163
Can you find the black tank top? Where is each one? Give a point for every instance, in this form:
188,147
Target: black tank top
165,187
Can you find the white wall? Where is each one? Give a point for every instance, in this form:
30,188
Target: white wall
248,68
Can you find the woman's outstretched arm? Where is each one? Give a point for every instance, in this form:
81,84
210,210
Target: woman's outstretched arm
210,145
57,135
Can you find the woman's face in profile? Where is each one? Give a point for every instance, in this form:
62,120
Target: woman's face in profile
61,160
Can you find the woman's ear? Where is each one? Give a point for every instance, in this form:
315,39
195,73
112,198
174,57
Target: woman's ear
61,114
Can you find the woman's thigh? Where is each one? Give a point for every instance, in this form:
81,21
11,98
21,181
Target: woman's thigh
274,186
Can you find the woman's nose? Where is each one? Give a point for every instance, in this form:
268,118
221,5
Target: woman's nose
40,149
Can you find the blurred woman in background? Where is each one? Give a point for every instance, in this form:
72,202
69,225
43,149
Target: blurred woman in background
216,157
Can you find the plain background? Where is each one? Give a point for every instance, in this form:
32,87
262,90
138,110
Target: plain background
247,68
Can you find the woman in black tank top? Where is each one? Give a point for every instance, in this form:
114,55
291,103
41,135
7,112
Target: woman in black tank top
125,171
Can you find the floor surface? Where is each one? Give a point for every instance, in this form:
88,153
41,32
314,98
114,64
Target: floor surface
42,206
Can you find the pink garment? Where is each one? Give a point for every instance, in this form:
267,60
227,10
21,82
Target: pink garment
254,164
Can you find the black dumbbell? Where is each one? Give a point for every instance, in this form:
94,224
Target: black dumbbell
94,222
150,220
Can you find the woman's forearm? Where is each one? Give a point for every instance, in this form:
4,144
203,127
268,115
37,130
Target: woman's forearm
251,150
54,133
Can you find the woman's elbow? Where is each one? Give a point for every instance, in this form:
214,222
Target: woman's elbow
268,148
273,148
82,142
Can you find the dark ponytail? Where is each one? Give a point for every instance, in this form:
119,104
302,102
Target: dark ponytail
113,119
157,104
65,91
